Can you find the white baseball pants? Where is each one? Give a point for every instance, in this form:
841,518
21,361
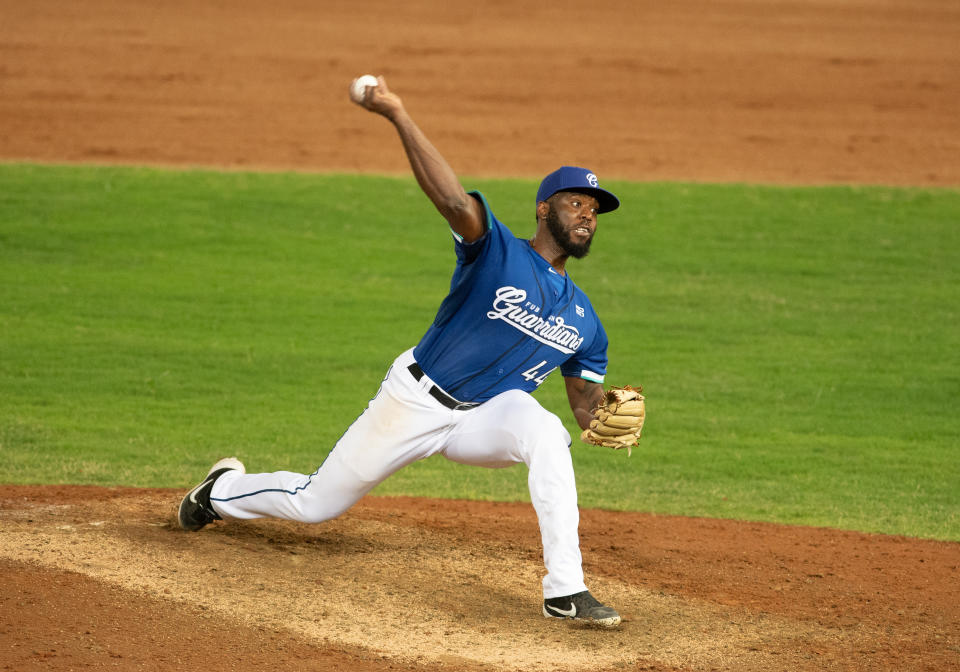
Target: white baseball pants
403,424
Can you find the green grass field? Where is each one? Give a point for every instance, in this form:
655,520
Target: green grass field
798,346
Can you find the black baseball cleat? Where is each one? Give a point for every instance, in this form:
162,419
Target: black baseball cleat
581,607
195,508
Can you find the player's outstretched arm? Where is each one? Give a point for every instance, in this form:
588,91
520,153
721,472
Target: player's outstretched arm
434,175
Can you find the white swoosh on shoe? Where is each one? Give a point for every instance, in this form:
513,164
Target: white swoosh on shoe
193,493
570,613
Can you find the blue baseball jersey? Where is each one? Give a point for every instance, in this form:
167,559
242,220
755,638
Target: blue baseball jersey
508,321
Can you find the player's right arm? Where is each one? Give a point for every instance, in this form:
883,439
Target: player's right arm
434,175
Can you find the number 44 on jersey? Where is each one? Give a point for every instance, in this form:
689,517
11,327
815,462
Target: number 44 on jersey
534,373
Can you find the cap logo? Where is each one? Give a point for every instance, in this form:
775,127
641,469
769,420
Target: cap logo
592,179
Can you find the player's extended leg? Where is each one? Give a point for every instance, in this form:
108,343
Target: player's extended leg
400,425
512,428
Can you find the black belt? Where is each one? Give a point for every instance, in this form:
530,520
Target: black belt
439,394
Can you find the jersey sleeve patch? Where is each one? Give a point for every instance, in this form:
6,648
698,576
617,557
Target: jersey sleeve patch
590,361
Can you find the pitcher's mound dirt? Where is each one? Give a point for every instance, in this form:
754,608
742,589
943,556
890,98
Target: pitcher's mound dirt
103,577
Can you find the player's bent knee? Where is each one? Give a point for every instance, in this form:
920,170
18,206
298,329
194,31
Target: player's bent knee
551,427
530,422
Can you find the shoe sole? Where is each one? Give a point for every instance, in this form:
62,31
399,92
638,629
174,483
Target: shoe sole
228,463
608,622
225,463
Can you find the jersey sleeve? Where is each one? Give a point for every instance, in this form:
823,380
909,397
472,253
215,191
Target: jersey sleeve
590,363
473,259
467,253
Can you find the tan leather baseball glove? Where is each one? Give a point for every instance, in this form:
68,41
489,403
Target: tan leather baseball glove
618,419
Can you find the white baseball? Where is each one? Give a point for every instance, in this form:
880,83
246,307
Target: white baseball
358,90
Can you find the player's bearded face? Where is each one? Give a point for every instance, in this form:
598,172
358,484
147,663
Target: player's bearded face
563,234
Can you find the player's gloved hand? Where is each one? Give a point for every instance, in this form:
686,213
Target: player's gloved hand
618,419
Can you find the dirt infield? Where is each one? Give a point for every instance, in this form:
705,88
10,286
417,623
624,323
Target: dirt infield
799,91
806,91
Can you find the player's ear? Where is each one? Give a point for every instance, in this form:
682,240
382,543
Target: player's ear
542,209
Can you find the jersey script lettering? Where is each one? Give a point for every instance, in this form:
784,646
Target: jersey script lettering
552,331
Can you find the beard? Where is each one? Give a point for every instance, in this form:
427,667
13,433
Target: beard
562,236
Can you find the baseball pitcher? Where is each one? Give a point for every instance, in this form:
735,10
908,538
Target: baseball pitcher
512,316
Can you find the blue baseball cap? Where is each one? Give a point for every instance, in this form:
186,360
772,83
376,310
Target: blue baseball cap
571,178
